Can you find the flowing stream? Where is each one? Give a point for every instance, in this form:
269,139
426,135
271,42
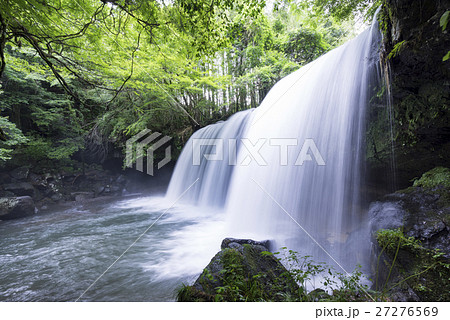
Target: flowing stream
56,256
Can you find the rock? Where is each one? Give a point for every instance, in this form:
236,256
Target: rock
57,197
81,196
16,207
99,190
227,241
121,179
243,270
53,188
386,215
422,215
20,173
420,93
115,189
419,220
38,181
20,189
45,203
4,178
6,194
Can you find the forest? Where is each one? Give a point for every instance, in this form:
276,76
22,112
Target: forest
80,79
119,67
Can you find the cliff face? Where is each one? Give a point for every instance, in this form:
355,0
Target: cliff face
414,47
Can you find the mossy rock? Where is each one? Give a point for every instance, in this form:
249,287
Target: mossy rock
244,270
414,251
437,178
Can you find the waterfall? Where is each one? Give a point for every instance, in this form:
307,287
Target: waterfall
213,176
295,174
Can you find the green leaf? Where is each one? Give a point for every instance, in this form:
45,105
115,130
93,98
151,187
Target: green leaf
444,20
446,57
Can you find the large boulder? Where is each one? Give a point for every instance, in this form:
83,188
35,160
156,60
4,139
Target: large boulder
244,270
16,207
412,240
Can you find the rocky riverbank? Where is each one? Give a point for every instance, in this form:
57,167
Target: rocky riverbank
24,192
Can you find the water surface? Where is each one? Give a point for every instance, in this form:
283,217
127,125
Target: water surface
57,255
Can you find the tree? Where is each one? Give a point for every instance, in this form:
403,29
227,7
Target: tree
76,37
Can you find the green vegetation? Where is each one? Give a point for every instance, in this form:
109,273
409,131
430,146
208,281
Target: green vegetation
443,23
426,271
296,281
331,286
437,177
10,136
81,77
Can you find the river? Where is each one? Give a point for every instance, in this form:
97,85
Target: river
57,255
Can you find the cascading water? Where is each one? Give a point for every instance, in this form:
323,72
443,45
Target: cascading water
297,176
213,176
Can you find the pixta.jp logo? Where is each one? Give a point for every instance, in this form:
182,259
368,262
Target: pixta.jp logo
143,141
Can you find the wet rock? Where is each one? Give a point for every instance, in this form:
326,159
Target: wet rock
422,215
419,220
386,215
240,265
16,207
20,189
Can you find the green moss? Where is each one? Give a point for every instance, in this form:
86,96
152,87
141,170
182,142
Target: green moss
439,176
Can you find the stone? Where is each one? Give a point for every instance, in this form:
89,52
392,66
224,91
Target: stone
420,219
4,178
37,181
242,264
6,194
56,197
121,179
81,196
20,173
115,189
20,188
99,190
227,241
16,207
